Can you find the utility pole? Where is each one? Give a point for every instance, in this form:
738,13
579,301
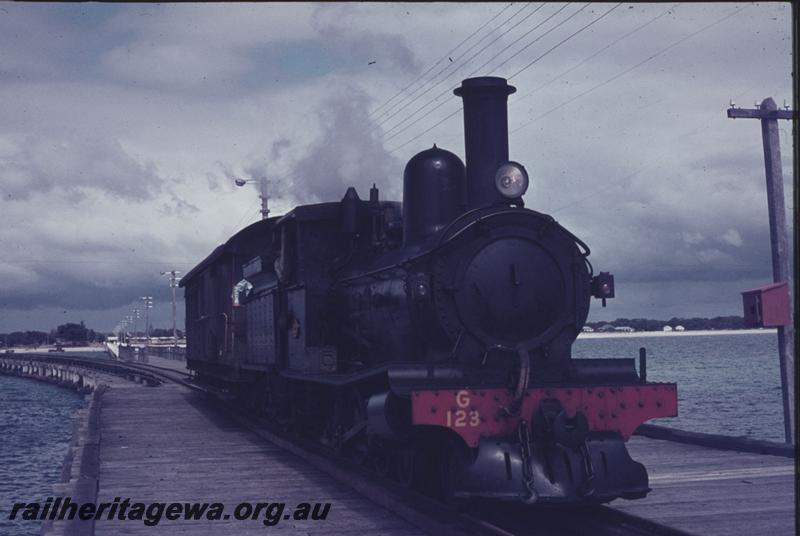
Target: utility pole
264,198
769,114
262,182
147,303
135,320
128,324
173,283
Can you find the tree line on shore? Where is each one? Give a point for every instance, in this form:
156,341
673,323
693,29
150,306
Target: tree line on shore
690,324
69,333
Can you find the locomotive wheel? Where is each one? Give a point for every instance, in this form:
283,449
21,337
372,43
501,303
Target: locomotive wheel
446,460
448,467
405,466
379,456
358,452
381,463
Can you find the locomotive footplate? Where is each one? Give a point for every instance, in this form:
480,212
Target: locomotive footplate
552,444
600,469
479,413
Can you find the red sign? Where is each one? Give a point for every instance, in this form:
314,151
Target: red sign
476,413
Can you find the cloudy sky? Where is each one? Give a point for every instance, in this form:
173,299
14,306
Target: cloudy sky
123,125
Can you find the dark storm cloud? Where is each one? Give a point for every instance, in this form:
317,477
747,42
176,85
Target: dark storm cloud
665,299
648,236
60,287
651,244
83,271
667,191
44,164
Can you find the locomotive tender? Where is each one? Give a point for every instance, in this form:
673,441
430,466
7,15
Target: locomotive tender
431,339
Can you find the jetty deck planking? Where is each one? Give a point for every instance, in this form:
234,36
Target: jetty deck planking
714,492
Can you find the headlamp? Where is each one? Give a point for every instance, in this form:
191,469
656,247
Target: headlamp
511,180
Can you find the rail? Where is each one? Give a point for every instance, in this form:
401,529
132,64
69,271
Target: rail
716,441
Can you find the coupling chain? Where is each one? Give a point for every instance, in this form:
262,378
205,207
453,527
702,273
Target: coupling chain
523,432
587,487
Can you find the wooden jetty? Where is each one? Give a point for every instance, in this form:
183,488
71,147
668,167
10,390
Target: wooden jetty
168,444
172,444
714,492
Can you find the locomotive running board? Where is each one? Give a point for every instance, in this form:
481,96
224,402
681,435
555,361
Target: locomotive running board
476,413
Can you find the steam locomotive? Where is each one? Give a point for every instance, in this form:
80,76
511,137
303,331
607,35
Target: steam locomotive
431,339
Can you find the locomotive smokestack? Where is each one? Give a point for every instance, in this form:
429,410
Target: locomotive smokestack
485,135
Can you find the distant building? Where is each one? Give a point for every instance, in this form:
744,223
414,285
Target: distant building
680,328
667,328
587,329
626,329
606,328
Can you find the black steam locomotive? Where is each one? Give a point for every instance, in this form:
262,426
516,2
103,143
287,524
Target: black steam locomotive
431,339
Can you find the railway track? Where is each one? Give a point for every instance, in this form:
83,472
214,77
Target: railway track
479,518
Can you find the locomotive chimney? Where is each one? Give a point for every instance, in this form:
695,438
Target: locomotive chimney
485,135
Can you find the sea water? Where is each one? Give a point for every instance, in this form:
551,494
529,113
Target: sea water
727,384
35,432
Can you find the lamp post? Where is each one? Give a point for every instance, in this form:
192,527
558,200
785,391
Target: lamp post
262,182
173,283
147,303
135,315
128,324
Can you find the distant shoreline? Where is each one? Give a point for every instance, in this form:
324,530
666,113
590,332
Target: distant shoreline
698,332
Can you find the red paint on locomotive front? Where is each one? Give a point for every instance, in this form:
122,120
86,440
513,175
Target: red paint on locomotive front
476,413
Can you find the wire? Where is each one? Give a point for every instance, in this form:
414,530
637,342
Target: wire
626,71
582,62
416,97
426,131
447,55
586,26
518,39
573,34
246,213
450,88
573,67
528,45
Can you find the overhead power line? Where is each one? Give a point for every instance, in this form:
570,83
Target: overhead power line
426,131
562,8
593,55
626,71
458,61
448,89
446,56
570,36
550,50
244,215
